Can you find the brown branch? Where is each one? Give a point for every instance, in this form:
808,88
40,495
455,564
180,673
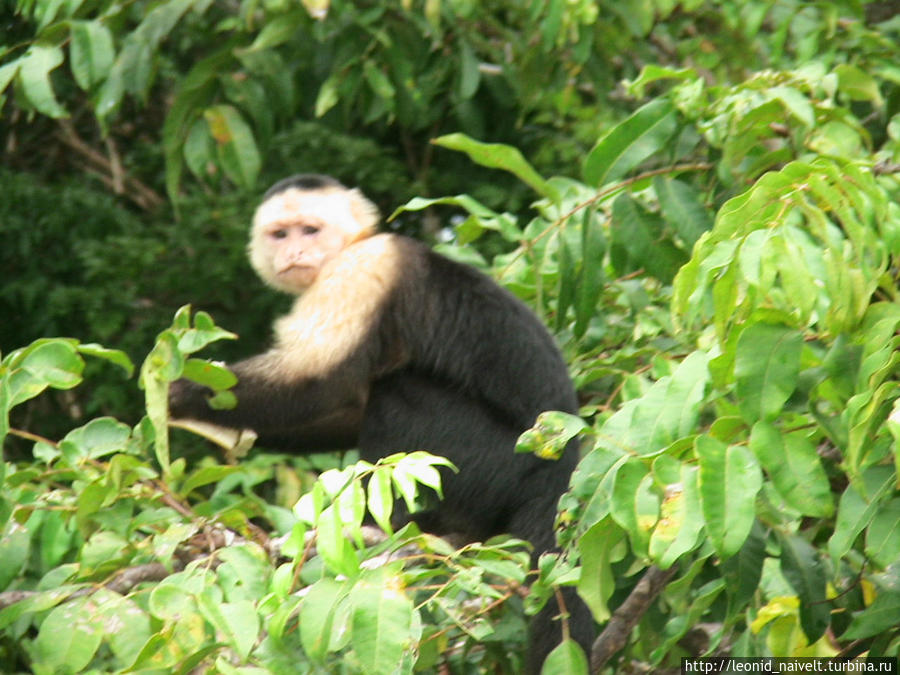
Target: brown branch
626,617
108,168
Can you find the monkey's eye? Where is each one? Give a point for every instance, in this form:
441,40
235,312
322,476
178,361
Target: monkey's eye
278,234
309,229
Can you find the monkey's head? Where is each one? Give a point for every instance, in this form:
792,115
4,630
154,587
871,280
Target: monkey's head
303,222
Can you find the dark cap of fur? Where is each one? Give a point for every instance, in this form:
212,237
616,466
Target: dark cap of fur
303,181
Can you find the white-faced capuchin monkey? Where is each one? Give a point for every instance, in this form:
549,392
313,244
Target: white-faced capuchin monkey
391,347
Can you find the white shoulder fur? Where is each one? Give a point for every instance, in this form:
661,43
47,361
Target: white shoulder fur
333,316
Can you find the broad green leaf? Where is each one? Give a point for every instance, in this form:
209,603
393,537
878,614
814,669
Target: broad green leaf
853,516
91,53
278,30
680,520
68,638
333,546
204,476
237,622
793,463
499,156
590,280
602,545
236,146
567,281
682,208
567,657
34,78
729,481
666,413
380,498
653,73
883,534
317,616
880,618
199,149
802,567
628,144
45,363
125,624
99,437
379,82
634,505
115,356
743,571
15,546
858,85
766,368
469,74
209,374
329,94
639,241
381,626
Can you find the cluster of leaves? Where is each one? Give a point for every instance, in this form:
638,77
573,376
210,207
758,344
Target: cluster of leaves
111,561
748,439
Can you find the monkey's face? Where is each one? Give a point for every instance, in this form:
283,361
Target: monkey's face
296,233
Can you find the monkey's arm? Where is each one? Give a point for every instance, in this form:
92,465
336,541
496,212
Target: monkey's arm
321,411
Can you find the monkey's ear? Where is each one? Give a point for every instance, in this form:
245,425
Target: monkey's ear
364,211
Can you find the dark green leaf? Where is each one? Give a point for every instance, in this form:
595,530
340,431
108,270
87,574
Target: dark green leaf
625,146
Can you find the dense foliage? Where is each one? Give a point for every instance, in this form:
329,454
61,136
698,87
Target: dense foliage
700,198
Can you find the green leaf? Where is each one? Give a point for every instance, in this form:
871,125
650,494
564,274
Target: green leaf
204,476
378,82
766,368
793,463
499,156
729,481
883,534
653,73
382,626
591,278
634,506
99,437
115,356
237,621
278,30
213,375
237,151
567,657
329,94
667,412
626,145
317,617
680,520
91,53
15,546
858,85
68,638
682,208
743,571
803,568
380,498
45,363
600,546
332,544
639,241
469,74
880,618
34,77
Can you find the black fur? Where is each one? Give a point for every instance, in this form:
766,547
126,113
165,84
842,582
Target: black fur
455,365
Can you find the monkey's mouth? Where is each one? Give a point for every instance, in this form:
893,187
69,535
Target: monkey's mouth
296,269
